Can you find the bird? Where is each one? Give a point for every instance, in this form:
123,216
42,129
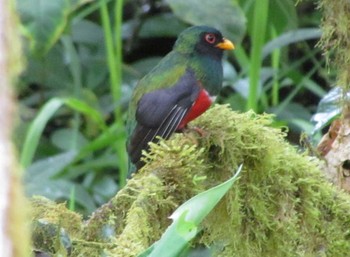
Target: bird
177,90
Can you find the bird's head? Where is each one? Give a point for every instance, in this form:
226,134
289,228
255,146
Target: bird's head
203,40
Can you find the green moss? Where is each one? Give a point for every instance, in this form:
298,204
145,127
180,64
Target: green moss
335,40
281,205
53,227
50,212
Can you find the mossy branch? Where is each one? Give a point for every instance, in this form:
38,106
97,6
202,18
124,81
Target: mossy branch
281,206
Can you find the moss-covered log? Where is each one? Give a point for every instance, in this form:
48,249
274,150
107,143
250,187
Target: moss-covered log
281,206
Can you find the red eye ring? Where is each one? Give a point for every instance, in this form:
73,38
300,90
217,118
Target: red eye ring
210,38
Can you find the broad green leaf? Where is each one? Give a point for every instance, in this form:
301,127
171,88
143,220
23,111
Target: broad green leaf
290,37
87,32
225,15
51,72
301,125
200,205
282,15
49,167
292,111
43,22
186,219
39,179
63,138
314,87
163,25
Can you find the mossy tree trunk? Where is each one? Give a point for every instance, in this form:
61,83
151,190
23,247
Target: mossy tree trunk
335,42
14,234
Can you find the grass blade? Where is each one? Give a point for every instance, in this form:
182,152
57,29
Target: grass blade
35,130
114,59
258,37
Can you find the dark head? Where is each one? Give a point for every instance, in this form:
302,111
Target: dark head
203,40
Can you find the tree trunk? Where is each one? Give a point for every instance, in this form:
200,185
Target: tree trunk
14,234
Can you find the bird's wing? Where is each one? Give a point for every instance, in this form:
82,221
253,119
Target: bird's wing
160,112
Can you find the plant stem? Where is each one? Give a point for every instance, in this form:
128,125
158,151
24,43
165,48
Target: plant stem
114,59
121,150
276,54
76,71
258,38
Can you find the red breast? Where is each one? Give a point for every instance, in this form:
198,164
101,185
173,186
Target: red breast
202,104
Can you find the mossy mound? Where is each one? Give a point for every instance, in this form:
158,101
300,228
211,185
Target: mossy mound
281,205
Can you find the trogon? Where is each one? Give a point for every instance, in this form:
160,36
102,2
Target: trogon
177,90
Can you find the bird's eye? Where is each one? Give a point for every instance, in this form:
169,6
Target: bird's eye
210,38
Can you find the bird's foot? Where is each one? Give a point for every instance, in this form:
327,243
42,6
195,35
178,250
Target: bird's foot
201,132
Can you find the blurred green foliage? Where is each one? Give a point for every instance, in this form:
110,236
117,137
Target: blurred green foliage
84,58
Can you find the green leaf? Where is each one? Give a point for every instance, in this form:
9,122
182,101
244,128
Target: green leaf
50,72
292,111
200,205
282,15
35,130
46,113
258,36
43,22
162,25
87,32
39,179
63,138
290,37
84,108
78,3
49,167
186,219
113,133
224,15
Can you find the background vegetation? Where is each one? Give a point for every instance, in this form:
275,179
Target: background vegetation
84,58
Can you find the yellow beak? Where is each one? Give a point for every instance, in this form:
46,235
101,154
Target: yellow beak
226,45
